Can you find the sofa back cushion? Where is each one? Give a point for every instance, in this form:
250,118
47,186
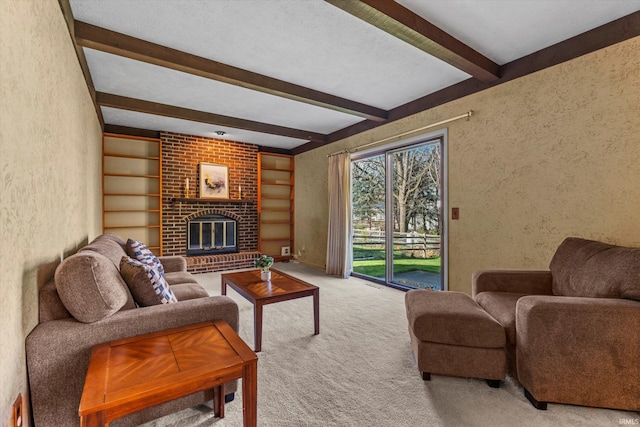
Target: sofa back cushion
91,287
586,268
50,304
109,245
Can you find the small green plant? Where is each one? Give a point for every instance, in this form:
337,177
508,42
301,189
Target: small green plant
264,262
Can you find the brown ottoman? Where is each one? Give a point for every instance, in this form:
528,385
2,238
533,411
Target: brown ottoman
452,335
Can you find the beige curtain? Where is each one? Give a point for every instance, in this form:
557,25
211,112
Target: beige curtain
339,256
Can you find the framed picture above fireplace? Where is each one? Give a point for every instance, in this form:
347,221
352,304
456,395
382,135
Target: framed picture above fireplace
214,181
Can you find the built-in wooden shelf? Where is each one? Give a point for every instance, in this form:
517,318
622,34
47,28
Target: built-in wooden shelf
275,204
131,200
133,194
130,156
132,175
276,183
107,227
281,210
276,169
275,198
133,210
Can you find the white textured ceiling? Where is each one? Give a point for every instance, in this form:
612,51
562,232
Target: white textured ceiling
170,124
313,44
306,42
505,30
135,79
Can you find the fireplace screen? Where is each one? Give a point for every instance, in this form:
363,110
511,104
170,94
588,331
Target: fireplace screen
211,234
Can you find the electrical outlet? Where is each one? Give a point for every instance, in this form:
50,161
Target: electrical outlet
455,213
17,412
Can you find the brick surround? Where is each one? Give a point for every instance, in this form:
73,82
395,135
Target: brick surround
181,155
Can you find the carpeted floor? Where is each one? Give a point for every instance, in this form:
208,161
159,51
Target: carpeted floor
360,372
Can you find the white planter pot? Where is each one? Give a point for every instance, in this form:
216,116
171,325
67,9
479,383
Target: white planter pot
265,275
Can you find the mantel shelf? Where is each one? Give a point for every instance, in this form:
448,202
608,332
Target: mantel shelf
199,200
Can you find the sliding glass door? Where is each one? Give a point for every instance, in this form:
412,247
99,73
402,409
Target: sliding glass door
397,216
368,214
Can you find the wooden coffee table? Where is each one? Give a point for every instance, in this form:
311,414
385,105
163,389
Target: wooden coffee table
132,374
281,287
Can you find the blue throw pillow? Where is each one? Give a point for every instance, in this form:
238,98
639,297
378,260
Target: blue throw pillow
138,250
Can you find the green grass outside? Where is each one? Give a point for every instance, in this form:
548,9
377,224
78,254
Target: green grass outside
376,267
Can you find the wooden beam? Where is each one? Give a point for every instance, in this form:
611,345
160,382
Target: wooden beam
131,104
598,38
65,6
402,23
130,47
274,150
130,131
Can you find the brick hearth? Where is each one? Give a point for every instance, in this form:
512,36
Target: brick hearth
208,263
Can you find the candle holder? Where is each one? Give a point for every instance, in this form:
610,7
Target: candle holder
187,193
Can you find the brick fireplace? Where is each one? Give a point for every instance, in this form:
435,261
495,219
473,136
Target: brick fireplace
181,155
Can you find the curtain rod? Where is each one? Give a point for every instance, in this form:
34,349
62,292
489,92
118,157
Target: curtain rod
442,122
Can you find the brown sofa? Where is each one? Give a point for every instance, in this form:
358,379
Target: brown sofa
58,349
573,332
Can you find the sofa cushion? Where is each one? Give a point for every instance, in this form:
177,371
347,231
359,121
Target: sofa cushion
186,291
139,251
451,318
90,287
146,283
109,245
173,263
586,268
179,277
502,307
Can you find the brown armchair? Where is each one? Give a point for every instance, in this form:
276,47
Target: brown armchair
573,332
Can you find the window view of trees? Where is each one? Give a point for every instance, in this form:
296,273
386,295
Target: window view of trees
415,209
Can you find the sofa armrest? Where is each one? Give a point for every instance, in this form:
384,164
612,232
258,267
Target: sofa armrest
58,351
173,263
581,351
530,282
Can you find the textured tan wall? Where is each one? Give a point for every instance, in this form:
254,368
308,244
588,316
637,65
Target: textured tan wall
50,169
550,155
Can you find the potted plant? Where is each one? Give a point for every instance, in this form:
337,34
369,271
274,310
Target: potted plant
264,263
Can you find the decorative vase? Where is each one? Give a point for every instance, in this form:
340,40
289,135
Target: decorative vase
265,275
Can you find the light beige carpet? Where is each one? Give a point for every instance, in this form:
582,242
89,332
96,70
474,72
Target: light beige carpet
360,372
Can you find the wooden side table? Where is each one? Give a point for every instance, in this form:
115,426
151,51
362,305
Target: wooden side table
132,374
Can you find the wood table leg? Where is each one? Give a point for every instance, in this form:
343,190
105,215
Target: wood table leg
316,311
250,393
218,401
257,325
223,287
96,419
